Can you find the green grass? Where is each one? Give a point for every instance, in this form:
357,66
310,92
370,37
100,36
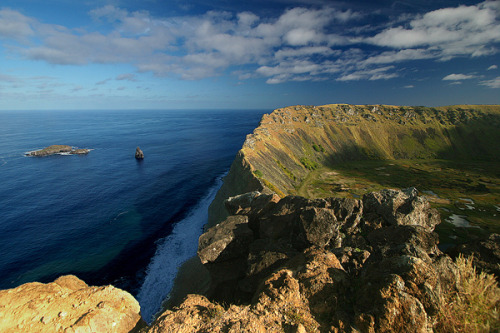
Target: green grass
286,171
308,164
258,173
318,148
451,181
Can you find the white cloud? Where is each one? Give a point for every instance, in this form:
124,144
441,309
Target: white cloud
494,83
302,36
285,53
463,30
369,74
15,25
458,77
127,77
390,57
300,44
492,67
99,83
409,86
8,78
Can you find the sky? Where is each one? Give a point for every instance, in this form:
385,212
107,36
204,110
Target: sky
233,54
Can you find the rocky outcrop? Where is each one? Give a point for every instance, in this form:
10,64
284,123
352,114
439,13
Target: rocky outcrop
80,151
324,265
67,305
485,253
58,149
139,154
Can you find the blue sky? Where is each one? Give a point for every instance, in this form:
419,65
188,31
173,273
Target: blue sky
173,54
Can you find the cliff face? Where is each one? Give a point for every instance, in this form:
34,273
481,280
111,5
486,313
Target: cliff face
291,142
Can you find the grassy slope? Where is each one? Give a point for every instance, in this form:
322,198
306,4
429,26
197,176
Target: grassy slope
451,151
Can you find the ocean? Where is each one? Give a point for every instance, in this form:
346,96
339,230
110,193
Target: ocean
107,217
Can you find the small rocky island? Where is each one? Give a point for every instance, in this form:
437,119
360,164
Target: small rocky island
139,154
58,149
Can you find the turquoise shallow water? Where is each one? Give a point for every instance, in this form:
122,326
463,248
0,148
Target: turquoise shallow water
105,216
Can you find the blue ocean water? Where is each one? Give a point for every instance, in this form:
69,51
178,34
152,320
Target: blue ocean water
105,216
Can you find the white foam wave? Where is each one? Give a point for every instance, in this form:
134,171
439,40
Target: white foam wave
171,253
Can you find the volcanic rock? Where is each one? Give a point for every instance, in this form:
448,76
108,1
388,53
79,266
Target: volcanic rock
67,305
485,253
139,154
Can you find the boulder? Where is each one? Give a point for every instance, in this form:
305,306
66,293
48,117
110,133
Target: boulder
67,305
229,239
403,207
252,204
139,154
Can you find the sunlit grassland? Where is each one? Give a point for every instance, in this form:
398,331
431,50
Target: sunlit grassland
466,188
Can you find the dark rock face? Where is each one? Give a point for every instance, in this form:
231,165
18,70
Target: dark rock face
228,240
485,253
401,208
139,154
370,264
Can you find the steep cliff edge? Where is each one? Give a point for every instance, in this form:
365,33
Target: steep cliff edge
291,142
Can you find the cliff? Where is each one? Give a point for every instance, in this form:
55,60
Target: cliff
291,142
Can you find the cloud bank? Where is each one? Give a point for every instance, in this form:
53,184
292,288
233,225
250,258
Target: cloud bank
298,44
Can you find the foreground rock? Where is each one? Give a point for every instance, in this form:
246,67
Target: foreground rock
67,305
58,149
324,265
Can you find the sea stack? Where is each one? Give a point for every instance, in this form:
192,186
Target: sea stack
139,154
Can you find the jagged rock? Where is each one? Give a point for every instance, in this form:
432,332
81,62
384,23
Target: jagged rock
401,208
306,222
67,305
139,154
485,253
227,240
278,307
404,240
265,257
223,249
252,203
341,265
